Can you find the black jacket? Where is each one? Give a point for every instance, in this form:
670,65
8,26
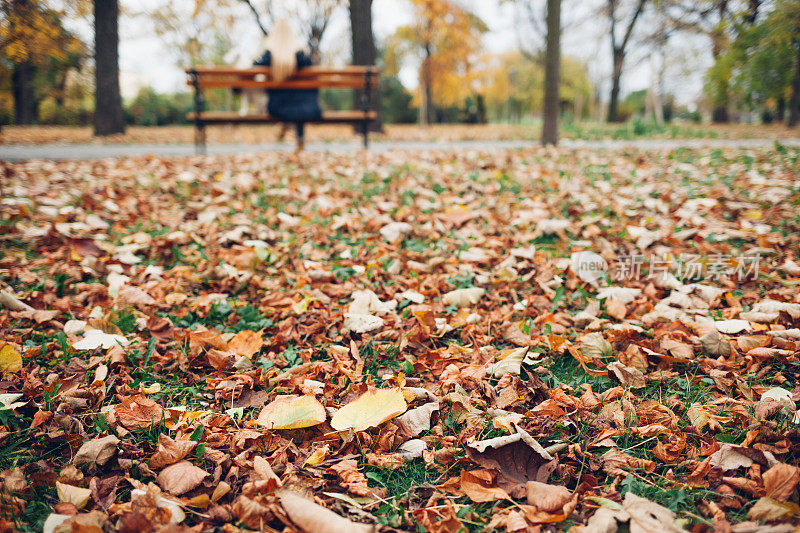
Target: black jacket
292,105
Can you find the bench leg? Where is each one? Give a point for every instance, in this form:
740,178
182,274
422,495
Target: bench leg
365,125
200,139
199,107
301,139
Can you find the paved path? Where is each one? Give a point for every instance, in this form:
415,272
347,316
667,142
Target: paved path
102,151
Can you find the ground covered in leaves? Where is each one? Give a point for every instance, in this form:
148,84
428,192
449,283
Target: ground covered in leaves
260,134
520,341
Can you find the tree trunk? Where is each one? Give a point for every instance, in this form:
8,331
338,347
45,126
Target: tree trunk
24,99
426,109
108,118
780,112
613,103
718,45
480,103
552,61
794,104
363,45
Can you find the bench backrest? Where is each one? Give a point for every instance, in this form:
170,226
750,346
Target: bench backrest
355,77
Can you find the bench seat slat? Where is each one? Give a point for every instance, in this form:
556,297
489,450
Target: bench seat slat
212,117
316,83
307,72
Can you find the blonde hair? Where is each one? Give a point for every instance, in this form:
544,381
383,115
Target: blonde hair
283,45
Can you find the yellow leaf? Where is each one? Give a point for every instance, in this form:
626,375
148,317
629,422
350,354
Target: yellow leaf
77,496
301,307
10,360
292,412
371,409
318,456
221,490
150,389
201,500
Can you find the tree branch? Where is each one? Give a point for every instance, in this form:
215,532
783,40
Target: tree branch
256,15
632,23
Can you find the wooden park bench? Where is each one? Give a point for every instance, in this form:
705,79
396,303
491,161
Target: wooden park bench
314,77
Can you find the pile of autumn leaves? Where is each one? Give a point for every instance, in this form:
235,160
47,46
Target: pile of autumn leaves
156,463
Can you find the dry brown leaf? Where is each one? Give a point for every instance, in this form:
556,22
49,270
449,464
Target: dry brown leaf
480,486
350,477
181,477
627,375
246,343
313,518
418,419
616,309
780,481
138,412
135,296
96,451
518,458
550,498
170,451
769,510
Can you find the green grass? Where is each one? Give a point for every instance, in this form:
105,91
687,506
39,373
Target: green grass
635,129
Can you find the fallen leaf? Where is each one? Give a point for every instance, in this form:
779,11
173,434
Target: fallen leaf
77,496
412,449
95,338
595,346
627,375
463,297
624,295
780,481
135,296
394,230
181,477
361,323
550,498
138,412
510,362
479,486
292,412
418,419
768,510
96,452
372,408
518,458
714,344
313,518
351,478
10,359
246,343
170,451
616,309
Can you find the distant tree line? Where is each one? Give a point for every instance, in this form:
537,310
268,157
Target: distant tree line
49,75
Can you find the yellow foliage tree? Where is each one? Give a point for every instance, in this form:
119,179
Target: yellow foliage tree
513,85
31,35
447,38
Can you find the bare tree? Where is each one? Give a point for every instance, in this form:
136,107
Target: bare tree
619,47
709,18
552,73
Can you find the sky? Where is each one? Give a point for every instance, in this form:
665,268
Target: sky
145,60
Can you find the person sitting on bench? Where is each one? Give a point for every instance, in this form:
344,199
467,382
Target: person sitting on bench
284,54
